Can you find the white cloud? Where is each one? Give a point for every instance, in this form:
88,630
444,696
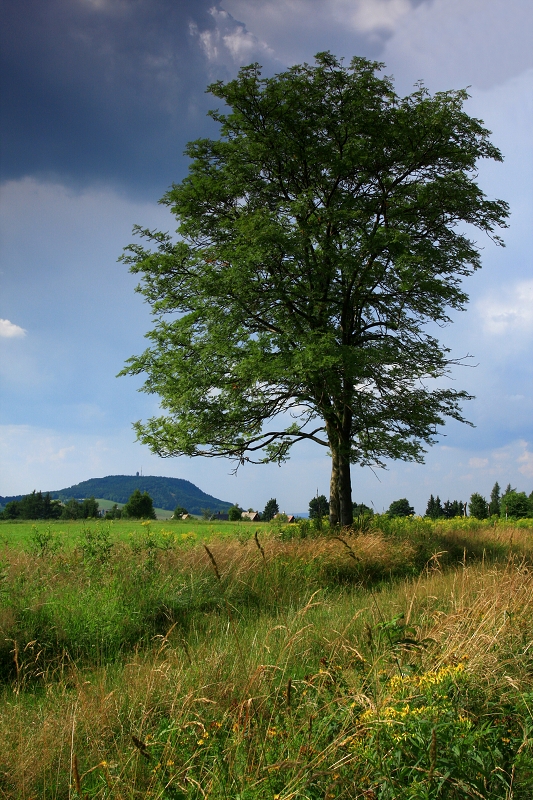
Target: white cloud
526,463
367,16
511,310
230,43
8,330
445,42
478,463
463,42
362,16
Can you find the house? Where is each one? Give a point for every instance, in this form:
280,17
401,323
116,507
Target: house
219,517
253,516
290,517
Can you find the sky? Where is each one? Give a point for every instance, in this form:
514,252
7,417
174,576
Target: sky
99,98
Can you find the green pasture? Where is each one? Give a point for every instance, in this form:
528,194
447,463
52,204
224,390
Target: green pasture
68,533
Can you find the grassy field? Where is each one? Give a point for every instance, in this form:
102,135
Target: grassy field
106,505
192,660
68,534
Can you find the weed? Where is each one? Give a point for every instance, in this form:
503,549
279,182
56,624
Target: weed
45,542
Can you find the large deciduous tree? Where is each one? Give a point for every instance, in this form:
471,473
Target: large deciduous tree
318,236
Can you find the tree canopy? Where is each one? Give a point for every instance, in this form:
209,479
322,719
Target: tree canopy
478,506
318,507
317,237
139,506
33,506
270,510
400,508
516,504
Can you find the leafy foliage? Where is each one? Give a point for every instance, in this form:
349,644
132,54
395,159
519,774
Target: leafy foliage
318,236
360,509
139,506
400,508
516,504
478,506
85,509
234,513
318,507
179,511
32,506
436,510
270,510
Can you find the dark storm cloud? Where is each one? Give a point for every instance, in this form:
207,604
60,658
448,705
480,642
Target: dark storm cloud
103,90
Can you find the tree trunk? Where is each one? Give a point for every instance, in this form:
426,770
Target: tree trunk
345,479
334,506
340,497
345,491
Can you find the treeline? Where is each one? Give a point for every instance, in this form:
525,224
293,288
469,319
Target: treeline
511,503
41,506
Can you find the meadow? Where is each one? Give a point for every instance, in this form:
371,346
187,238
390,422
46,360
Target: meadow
184,659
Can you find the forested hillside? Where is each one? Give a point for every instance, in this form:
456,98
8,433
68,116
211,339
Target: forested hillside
166,493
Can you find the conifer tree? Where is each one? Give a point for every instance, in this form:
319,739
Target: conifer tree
494,505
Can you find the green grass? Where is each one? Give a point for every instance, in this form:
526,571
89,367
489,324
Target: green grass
20,533
393,663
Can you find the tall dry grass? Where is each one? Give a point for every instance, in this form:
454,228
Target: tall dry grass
255,682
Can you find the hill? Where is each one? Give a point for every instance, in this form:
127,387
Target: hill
166,493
